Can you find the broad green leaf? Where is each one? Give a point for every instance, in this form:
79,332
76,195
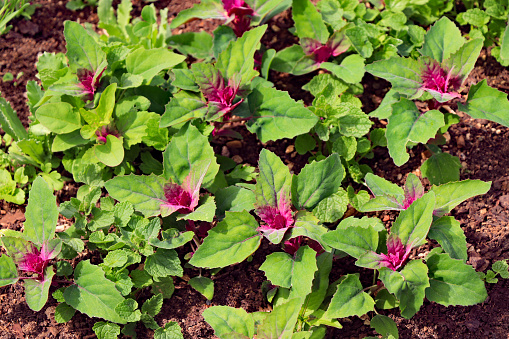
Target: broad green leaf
408,285
412,224
280,323
234,199
385,326
197,44
36,292
332,208
307,224
116,258
41,213
172,239
145,193
320,284
441,168
317,181
163,263
82,50
230,242
351,69
207,9
238,57
59,117
205,211
404,74
465,58
64,142
452,194
350,299
203,285
63,313
188,149
447,231
355,240
93,294
504,44
111,153
106,330
171,330
381,187
223,35
408,124
442,39
147,63
360,40
485,102
274,181
452,282
293,60
276,115
10,122
184,106
308,22
321,82
384,111
8,271
227,321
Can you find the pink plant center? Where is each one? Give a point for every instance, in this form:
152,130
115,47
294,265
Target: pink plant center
435,78
175,195
103,133
242,13
293,245
274,218
397,254
408,201
322,54
87,83
33,262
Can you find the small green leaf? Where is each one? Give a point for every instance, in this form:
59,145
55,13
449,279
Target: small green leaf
385,326
147,63
10,122
234,199
228,321
171,330
203,285
228,243
441,168
63,313
332,208
308,22
163,263
8,271
447,231
172,239
36,292
105,330
351,69
111,153
128,309
153,305
350,299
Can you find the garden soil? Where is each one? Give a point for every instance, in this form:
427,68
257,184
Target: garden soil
481,145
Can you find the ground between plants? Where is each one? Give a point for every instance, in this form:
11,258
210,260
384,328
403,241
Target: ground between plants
481,145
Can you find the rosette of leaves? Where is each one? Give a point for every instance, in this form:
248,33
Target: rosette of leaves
278,195
443,277
217,91
102,104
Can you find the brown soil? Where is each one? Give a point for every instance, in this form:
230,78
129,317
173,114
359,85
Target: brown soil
481,145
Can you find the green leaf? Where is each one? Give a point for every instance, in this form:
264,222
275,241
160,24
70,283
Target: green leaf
408,124
63,142
355,240
111,153
404,74
105,330
234,199
207,9
36,292
308,225
504,44
332,208
172,239
452,282
63,313
412,224
10,122
385,326
231,241
145,193
304,143
278,269
116,258
447,231
59,117
189,148
228,321
163,263
452,194
485,102
360,40
171,330
441,168
280,323
41,213
93,294
442,39
238,57
408,285
148,63
82,50
205,211
308,22
153,305
274,180
276,115
317,181
8,271
197,44
164,286
128,309
351,69
203,285
465,58
350,299
322,82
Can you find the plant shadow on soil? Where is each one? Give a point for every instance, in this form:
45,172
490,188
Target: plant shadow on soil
481,145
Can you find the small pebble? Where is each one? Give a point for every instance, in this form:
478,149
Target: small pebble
234,144
504,201
461,141
225,152
238,159
498,131
290,149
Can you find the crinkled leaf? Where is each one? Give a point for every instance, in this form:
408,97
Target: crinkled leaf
153,305
307,224
360,41
350,299
230,242
128,309
171,330
333,207
452,282
106,330
308,22
163,263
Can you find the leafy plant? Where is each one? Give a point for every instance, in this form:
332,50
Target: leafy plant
10,9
